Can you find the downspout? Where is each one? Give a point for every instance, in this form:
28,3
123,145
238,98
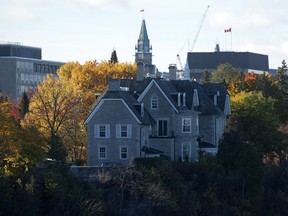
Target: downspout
140,141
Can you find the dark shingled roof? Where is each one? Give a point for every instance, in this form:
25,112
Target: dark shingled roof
206,93
211,89
171,88
133,104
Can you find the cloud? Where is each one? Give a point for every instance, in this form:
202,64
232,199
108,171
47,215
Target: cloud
21,13
243,21
98,3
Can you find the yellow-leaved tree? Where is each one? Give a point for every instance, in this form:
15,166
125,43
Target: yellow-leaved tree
54,110
92,77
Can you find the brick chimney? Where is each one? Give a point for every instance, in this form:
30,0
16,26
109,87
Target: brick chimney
140,72
172,71
114,84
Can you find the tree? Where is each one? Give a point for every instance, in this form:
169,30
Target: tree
282,78
8,131
206,77
92,77
226,74
256,116
113,58
23,105
51,107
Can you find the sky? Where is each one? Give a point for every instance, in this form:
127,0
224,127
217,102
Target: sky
83,30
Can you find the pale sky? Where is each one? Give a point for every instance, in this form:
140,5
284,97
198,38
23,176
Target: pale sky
82,30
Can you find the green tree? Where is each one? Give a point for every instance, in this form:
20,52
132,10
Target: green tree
226,74
255,115
113,58
23,105
206,77
282,78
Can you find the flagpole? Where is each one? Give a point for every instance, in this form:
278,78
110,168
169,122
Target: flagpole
142,11
231,39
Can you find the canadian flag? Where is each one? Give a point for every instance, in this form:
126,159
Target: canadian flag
227,30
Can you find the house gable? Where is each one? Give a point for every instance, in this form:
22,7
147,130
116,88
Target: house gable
100,104
161,91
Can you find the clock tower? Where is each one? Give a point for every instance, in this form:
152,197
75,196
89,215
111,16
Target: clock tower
143,50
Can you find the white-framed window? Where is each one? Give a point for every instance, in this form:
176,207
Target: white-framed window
162,127
186,151
123,152
102,152
154,102
123,131
101,131
186,125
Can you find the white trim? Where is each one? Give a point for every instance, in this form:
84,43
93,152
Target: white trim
102,158
97,131
152,99
119,131
101,103
149,87
189,145
182,125
120,153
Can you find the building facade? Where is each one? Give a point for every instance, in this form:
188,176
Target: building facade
173,118
198,62
22,68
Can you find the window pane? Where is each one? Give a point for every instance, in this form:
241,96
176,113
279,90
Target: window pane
186,151
102,131
154,103
162,128
186,125
124,130
124,153
102,152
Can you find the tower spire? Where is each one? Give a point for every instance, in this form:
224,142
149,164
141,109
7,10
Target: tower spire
143,48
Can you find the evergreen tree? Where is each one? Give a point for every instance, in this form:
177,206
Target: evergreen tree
282,78
206,77
114,58
24,105
57,150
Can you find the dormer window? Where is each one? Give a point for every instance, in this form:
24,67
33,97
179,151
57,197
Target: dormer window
154,102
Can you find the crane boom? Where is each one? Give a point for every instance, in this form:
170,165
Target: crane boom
199,29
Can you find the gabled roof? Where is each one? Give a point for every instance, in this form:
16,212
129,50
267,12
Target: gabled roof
163,90
212,89
130,102
206,105
136,90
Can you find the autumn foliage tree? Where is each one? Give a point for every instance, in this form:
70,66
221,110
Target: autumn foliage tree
256,117
92,77
50,110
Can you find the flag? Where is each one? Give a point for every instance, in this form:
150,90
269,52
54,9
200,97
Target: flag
142,10
227,30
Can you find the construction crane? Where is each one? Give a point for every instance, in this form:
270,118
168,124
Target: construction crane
186,72
199,29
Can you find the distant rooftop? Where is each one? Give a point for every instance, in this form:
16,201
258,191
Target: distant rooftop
16,49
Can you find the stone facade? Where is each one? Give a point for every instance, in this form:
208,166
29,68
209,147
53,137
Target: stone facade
167,116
